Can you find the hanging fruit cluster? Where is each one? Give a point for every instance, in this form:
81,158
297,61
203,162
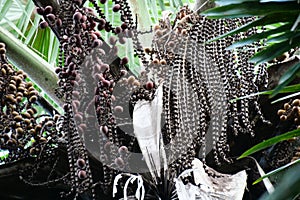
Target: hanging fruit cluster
24,132
286,151
84,54
198,80
291,111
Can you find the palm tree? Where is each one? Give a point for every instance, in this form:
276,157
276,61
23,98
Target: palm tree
60,126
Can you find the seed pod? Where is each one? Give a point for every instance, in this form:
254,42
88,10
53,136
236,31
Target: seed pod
114,50
106,83
78,118
19,131
81,163
102,22
122,40
124,26
2,51
96,43
93,36
49,124
28,85
26,115
104,67
51,18
58,22
156,27
104,129
12,87
44,24
155,61
43,140
32,151
118,30
18,80
20,72
116,8
171,44
107,146
58,70
147,50
77,16
83,126
13,82
15,113
130,79
48,10
24,76
19,99
280,112
27,121
149,85
3,71
112,40
118,109
98,34
286,106
158,33
123,72
33,99
136,83
18,124
18,118
21,89
163,62
69,59
123,150
32,132
296,102
76,104
119,162
82,174
283,117
124,61
295,109
31,111
38,127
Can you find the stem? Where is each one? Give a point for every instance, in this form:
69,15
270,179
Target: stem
140,10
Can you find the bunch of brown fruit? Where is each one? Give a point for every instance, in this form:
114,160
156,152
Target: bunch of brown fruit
291,111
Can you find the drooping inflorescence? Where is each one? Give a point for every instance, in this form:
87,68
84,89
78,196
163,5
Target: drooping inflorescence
84,61
24,132
199,78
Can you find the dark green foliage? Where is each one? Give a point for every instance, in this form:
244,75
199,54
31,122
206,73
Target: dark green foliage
281,33
283,16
